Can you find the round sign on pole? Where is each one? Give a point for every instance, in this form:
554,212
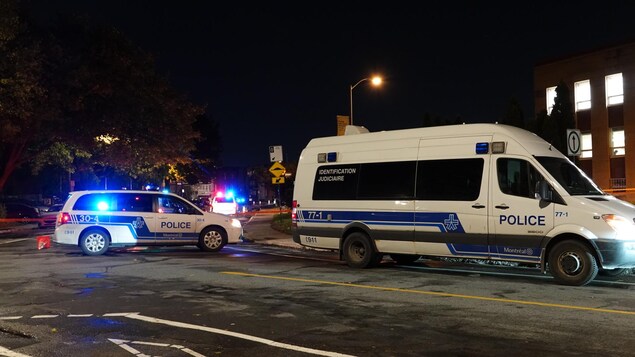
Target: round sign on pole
574,142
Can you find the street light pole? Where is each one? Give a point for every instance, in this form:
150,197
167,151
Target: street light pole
376,82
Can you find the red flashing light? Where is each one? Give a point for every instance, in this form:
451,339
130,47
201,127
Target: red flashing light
63,218
294,213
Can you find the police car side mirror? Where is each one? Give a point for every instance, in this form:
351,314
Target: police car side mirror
543,191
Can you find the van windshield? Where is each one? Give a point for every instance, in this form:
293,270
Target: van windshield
570,177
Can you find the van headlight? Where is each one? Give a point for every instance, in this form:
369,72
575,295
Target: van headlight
624,228
236,223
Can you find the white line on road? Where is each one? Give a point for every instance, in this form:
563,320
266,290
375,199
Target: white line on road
237,335
8,353
13,240
10,317
125,345
79,315
44,316
119,314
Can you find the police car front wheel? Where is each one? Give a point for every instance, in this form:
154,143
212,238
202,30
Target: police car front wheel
94,242
212,239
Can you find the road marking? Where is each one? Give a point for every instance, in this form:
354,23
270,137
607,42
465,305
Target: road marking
238,335
79,315
13,240
119,314
435,293
8,353
10,317
44,316
125,345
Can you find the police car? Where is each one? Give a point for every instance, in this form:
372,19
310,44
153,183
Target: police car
98,220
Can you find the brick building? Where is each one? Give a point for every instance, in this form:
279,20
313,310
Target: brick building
602,87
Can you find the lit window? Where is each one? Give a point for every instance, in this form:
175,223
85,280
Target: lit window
587,146
614,89
551,99
582,95
617,142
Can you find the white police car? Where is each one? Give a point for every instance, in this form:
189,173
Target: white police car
98,220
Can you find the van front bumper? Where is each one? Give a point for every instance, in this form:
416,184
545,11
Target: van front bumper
616,254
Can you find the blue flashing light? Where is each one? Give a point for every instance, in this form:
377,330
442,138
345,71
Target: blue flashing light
331,157
482,148
165,190
102,206
229,194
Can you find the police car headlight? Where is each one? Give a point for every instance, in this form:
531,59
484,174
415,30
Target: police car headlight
236,223
624,228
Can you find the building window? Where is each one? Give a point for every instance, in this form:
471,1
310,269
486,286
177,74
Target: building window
614,89
587,146
582,95
617,142
551,99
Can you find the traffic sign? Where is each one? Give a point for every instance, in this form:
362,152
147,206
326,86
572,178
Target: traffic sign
574,143
277,169
275,153
277,180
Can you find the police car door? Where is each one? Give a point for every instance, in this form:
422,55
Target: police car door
451,192
175,221
519,220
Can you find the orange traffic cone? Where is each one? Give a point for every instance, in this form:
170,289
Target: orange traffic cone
43,242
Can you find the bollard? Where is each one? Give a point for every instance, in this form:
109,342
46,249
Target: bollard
43,242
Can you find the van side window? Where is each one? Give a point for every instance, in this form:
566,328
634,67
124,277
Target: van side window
449,179
170,204
96,202
130,202
336,182
517,177
387,181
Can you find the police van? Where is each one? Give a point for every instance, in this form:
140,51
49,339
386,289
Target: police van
98,220
475,191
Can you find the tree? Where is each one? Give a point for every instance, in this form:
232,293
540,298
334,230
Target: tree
514,115
27,104
77,91
554,129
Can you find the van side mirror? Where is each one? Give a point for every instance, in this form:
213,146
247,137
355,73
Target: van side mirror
543,191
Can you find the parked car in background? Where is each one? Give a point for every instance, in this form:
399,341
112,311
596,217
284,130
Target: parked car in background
49,217
224,205
20,210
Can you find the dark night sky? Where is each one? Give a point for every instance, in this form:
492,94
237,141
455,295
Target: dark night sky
276,74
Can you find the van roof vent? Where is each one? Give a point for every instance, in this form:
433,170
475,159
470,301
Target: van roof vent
355,129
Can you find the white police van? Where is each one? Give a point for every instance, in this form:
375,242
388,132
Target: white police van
476,191
97,220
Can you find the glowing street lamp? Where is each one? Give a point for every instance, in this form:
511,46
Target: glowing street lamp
376,81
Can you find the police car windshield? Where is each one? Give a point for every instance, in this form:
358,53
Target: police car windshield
570,177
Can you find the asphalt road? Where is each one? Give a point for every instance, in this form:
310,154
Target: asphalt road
254,299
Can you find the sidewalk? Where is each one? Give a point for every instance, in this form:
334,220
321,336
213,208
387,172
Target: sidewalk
258,230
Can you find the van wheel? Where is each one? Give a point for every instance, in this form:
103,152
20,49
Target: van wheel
404,258
94,242
359,251
571,263
212,239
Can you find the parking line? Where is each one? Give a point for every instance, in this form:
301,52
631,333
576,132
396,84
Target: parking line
13,240
237,335
8,353
435,293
